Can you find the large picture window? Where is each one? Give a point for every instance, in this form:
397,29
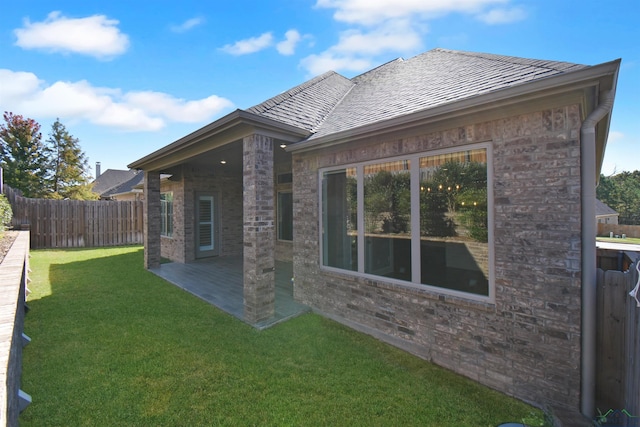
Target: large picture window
422,219
166,214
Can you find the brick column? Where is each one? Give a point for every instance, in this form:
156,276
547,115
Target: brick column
258,228
151,220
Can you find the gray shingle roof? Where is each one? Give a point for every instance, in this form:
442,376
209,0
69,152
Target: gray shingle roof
125,187
429,80
306,106
111,178
603,209
332,103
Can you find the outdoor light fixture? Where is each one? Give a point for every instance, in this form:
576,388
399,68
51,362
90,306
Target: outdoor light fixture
224,162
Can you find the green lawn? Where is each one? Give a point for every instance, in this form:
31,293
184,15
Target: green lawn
628,240
113,345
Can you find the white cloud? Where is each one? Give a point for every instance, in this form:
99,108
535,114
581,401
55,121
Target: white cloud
95,35
187,25
615,136
288,45
357,48
502,16
398,36
318,64
380,27
250,45
371,12
25,94
177,110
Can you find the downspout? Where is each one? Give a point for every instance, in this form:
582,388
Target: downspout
588,184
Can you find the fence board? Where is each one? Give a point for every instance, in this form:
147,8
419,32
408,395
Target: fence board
632,377
618,338
76,223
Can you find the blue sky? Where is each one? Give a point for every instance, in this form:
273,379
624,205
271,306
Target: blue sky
127,78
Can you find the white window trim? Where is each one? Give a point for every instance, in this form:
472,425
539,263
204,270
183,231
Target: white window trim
414,158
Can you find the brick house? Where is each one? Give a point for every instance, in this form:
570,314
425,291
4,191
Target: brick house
435,203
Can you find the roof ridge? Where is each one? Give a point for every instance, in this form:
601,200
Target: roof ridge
540,63
398,59
335,105
290,93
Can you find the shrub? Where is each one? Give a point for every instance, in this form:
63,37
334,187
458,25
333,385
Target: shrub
5,213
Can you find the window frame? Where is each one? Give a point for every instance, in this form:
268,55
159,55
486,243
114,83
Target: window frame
414,171
166,215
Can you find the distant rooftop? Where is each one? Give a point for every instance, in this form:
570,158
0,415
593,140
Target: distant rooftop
112,178
603,210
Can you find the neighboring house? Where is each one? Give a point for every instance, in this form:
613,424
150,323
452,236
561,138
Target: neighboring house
604,214
435,203
130,190
116,184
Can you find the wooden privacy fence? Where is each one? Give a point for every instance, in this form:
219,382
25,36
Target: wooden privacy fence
618,338
77,223
618,229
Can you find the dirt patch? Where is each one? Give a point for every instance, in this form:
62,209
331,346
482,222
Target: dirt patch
6,240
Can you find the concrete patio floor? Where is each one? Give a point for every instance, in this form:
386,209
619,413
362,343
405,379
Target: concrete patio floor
218,280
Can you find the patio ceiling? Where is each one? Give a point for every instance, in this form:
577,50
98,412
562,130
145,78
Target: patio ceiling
231,155
212,141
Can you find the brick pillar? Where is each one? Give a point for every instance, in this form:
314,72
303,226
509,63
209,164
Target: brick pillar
151,220
258,228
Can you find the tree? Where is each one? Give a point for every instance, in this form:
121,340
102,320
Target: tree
67,165
621,192
5,213
22,154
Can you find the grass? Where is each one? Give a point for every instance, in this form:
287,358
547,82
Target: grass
629,240
113,345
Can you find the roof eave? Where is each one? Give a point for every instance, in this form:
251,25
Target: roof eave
582,78
235,119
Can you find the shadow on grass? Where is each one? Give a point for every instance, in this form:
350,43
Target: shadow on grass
115,345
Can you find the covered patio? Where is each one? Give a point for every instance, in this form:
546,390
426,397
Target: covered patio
219,281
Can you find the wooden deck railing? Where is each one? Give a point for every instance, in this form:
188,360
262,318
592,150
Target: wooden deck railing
14,270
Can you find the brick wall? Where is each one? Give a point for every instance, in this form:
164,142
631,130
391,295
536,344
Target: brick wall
258,228
227,186
526,343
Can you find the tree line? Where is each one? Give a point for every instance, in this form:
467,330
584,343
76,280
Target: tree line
621,192
56,168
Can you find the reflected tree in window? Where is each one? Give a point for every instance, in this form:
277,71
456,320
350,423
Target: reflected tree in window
454,201
387,202
387,217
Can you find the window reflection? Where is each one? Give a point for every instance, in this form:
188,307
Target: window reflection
387,219
450,233
339,204
453,221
